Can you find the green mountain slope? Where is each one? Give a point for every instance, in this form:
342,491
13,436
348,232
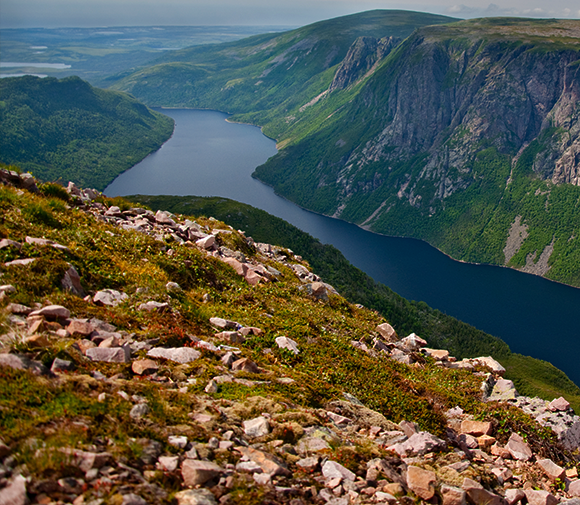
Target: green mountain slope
68,129
465,134
532,377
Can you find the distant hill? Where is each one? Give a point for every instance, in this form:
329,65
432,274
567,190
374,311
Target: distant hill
68,129
464,134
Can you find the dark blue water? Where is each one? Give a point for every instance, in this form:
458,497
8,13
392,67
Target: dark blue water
209,157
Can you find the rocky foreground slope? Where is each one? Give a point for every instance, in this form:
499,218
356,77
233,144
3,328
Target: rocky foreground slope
150,358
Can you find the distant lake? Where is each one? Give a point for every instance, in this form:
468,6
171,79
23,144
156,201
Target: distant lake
11,64
208,156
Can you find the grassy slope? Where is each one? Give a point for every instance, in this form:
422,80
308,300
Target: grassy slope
532,377
70,130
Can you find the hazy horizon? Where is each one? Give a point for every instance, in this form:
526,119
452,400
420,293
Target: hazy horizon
108,13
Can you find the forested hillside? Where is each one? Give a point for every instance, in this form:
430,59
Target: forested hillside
68,130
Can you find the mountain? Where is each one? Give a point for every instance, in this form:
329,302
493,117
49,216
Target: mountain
151,357
464,134
68,129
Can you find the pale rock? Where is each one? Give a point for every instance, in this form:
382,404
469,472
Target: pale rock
196,472
144,366
181,355
19,362
224,324
109,297
80,327
39,341
332,469
257,427
559,404
245,365
15,492
452,495
172,287
262,479
86,460
469,441
47,242
518,448
152,305
211,387
253,278
269,464
5,242
61,365
206,242
7,288
551,469
513,496
412,342
21,262
109,355
308,464
195,497
307,445
476,428
419,444
409,428
491,363
248,467
503,390
502,474
109,343
421,482
84,345
287,343
485,442
386,331
574,488
437,354
333,483
540,497
52,312
18,309
228,358
133,499
240,268
251,330
338,419
502,452
233,337
179,441
164,218
383,497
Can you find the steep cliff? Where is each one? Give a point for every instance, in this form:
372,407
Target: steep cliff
447,140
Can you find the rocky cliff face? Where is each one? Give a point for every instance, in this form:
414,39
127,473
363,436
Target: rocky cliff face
449,99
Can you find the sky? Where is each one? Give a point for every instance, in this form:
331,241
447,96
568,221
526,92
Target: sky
90,13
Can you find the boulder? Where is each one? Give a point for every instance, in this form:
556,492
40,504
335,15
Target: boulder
421,482
452,495
257,427
195,472
19,362
518,448
412,342
333,470
71,281
15,492
144,366
478,495
206,242
268,463
152,305
109,297
490,363
559,405
540,497
386,331
287,343
52,312
551,469
476,428
223,324
245,365
109,354
80,327
178,354
195,497
418,445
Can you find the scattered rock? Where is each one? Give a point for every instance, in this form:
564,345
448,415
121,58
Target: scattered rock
195,472
245,365
333,470
518,448
15,492
257,427
72,282
109,297
109,355
52,312
195,497
178,354
421,482
287,343
144,366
